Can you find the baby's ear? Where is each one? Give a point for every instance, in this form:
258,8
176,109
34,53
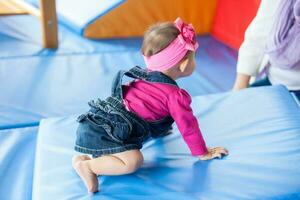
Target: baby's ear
183,64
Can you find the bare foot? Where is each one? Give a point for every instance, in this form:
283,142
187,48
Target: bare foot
80,165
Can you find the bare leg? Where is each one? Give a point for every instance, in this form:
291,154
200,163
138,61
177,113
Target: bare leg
115,164
89,178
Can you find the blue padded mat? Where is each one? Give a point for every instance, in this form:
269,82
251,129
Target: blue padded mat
259,126
17,154
12,117
58,83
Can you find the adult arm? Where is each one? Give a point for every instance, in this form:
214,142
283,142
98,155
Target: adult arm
252,50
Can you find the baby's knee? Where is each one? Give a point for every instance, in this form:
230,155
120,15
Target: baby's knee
133,164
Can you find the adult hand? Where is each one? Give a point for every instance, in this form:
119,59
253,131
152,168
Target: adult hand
241,82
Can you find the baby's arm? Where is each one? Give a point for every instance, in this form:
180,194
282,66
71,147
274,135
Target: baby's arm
188,126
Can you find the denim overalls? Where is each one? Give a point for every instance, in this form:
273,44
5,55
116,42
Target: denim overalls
108,127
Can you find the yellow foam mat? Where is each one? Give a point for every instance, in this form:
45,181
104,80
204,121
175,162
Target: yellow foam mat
133,17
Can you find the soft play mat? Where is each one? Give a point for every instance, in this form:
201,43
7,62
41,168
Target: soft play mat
259,126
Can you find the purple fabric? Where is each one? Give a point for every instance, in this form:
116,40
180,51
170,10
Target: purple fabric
283,46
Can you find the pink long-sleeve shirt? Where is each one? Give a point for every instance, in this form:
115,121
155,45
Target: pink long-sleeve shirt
154,101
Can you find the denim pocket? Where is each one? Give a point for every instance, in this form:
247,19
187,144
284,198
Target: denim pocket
114,125
121,131
100,124
122,127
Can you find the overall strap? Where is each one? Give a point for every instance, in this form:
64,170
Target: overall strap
135,73
138,73
158,77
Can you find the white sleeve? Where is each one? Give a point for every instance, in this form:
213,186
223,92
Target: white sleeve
252,50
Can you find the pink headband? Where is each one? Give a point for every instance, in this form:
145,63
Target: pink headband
177,49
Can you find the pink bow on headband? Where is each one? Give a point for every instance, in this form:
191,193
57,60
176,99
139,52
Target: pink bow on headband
176,50
187,34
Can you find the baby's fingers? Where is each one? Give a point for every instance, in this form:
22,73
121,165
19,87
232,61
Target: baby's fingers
220,153
221,150
224,151
217,155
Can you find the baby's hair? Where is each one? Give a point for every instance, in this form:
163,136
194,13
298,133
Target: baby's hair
158,37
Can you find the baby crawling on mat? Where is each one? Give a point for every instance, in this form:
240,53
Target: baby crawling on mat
113,130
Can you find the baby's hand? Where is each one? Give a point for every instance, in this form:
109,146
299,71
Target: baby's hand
215,152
